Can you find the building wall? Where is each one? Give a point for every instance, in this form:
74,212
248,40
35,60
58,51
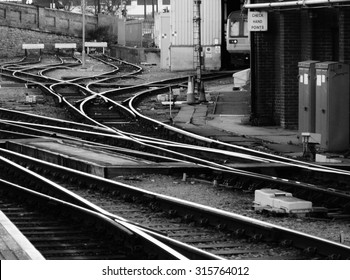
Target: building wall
293,35
13,38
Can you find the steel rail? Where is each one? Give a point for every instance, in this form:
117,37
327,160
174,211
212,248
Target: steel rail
103,147
279,182
49,120
137,71
126,232
163,124
14,75
185,158
235,170
212,143
231,221
49,187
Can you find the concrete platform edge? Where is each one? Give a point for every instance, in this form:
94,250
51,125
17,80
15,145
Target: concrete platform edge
19,241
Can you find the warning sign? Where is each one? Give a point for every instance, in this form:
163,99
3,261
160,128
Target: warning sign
257,21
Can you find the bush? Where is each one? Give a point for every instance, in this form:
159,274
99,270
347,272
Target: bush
100,34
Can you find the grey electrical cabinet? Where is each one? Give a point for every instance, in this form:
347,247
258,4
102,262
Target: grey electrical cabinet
332,105
307,90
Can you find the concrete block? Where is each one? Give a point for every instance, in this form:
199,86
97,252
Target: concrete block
324,158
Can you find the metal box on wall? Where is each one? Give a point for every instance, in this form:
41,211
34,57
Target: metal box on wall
307,89
332,105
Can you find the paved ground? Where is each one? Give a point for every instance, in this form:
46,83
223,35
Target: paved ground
230,114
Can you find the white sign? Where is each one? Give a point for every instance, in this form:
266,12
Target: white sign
257,21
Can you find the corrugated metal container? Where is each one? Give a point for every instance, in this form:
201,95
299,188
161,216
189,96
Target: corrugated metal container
182,22
182,54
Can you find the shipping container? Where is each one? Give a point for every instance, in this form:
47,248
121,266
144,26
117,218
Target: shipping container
181,42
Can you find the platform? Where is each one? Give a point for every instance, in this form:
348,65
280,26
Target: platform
75,155
13,244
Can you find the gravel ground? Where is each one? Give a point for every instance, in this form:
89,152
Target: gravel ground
203,193
237,202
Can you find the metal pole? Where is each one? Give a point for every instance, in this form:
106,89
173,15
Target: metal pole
303,3
198,46
83,35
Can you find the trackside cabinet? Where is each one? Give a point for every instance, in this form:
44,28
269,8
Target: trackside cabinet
307,90
332,105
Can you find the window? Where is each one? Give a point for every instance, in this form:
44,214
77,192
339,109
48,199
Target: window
238,28
234,28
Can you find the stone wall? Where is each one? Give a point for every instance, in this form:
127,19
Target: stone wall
44,19
13,38
32,24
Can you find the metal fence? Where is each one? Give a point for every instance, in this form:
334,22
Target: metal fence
138,33
148,33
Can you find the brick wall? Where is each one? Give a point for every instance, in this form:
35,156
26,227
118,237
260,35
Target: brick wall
290,55
43,19
306,35
294,35
13,38
264,93
344,35
325,34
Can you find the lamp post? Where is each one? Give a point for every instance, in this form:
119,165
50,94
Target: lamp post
83,35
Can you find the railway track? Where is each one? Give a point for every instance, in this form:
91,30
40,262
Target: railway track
243,176
184,221
64,231
113,119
